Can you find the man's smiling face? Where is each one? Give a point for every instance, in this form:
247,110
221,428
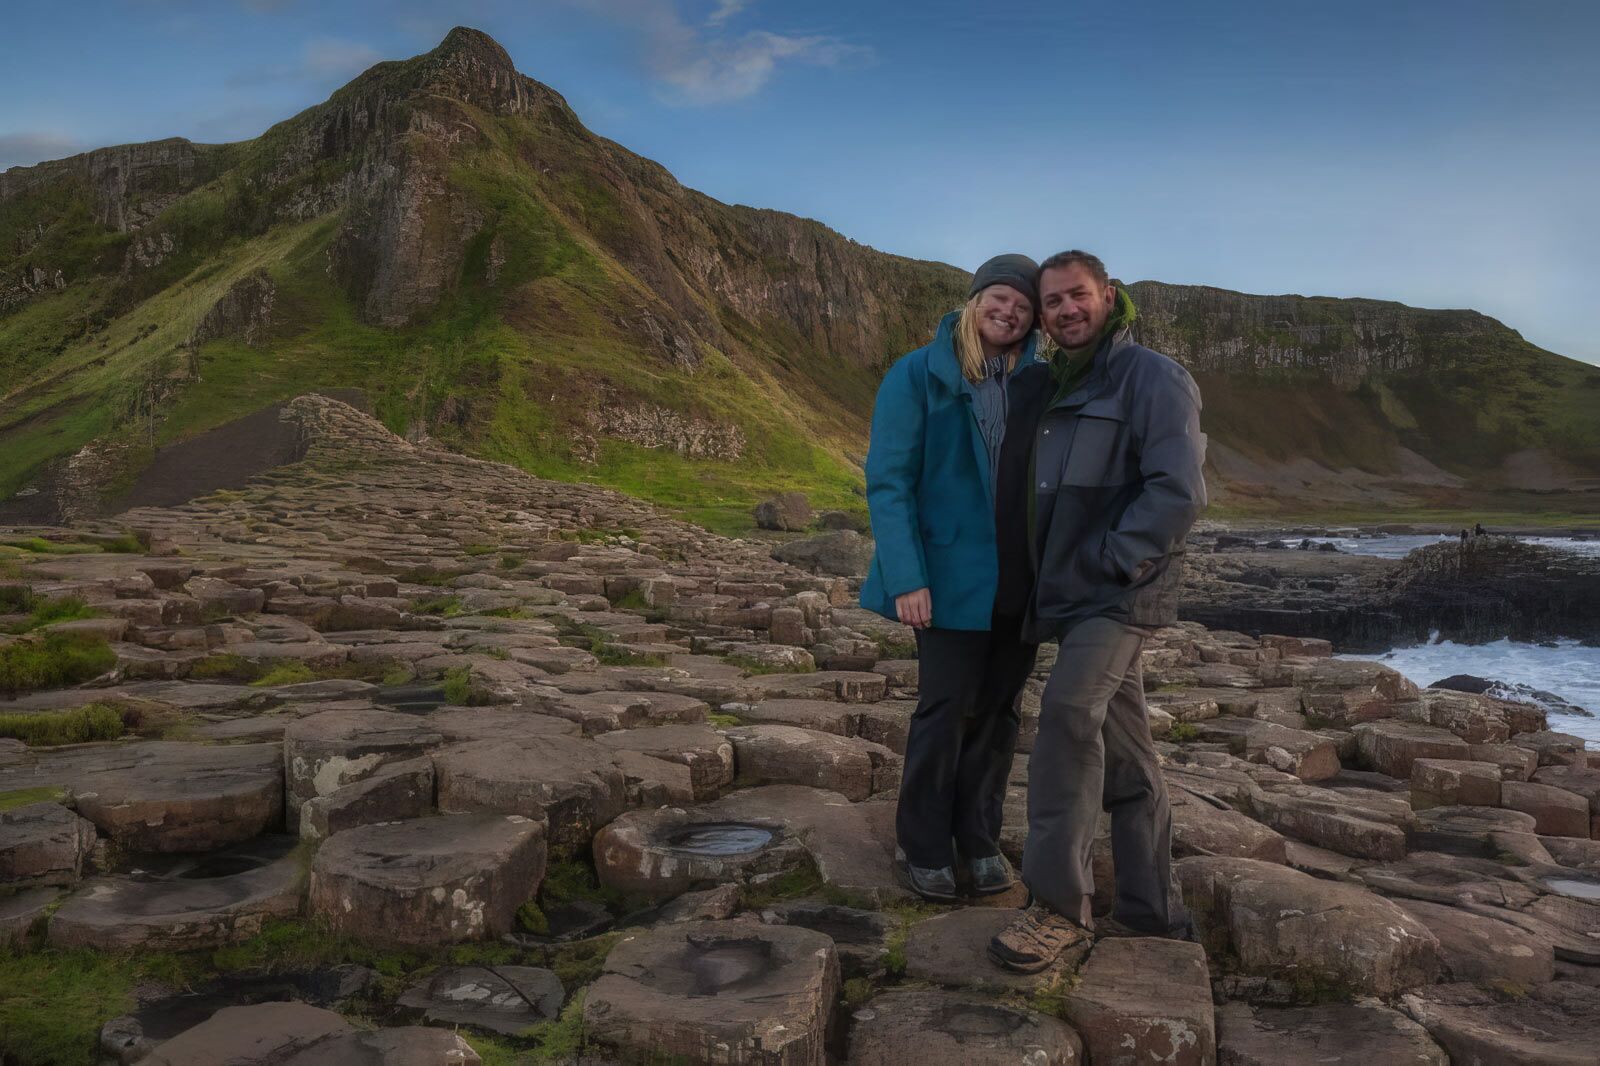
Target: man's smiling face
1076,305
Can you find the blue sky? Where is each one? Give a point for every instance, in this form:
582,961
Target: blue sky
1445,154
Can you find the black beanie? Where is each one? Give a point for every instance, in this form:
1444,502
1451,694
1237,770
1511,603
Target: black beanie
1017,271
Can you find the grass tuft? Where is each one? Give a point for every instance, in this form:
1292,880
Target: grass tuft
94,721
55,660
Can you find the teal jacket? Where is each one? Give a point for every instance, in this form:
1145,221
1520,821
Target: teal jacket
928,489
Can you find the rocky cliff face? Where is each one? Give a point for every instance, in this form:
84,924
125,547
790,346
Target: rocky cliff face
1345,341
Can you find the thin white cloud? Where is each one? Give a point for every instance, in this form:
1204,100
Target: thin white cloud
726,9
35,146
705,65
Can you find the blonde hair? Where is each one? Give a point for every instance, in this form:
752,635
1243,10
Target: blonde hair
969,344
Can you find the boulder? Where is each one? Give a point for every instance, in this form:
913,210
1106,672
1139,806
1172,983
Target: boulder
1144,1000
789,755
934,1027
429,880
842,553
1337,820
1365,1033
1552,1025
574,784
1198,828
788,512
725,992
500,999
1319,934
163,796
323,752
43,844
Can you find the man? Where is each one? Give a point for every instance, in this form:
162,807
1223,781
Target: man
1116,485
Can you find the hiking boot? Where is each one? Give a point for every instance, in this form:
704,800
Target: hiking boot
937,884
991,876
1036,939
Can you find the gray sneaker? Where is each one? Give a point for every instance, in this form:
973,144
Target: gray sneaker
991,876
937,884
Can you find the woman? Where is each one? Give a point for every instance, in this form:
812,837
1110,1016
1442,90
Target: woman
946,487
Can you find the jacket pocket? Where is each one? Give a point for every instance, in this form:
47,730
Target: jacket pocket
1098,455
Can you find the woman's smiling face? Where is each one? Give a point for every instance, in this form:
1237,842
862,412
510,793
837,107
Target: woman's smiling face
1004,316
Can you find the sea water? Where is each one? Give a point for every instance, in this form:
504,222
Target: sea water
1565,668
1399,545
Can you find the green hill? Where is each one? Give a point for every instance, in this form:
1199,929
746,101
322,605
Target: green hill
446,236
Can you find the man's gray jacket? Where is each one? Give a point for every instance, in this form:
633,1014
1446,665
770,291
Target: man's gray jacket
1116,484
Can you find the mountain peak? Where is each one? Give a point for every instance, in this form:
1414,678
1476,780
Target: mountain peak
475,44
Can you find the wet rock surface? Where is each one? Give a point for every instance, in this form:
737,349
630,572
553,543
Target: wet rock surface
393,702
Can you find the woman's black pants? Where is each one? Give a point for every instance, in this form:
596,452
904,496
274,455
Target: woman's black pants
962,738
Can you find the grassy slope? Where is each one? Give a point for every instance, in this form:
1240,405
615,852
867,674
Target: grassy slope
493,371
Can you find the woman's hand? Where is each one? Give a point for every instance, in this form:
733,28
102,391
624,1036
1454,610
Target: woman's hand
915,609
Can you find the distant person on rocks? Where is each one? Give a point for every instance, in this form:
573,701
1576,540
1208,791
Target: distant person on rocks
1116,485
1463,538
947,473
1479,531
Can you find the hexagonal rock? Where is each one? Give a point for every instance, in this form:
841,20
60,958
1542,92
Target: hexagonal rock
460,725
1364,1033
666,852
1553,1025
43,844
788,755
1556,812
322,752
265,1033
1582,780
501,999
1342,692
825,716
167,796
1282,922
1334,820
706,753
1198,828
1553,748
1447,782
861,937
1308,756
1475,719
1449,879
396,791
574,784
1143,1000
952,949
724,992
253,882
847,686
430,880
1515,763
294,1034
1475,947
603,712
1472,831
1391,747
933,1027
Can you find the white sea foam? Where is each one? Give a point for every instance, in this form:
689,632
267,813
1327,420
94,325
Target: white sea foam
1567,669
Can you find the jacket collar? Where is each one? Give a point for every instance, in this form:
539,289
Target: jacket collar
942,361
1108,354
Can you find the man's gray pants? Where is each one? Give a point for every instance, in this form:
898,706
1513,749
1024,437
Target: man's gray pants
1094,749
